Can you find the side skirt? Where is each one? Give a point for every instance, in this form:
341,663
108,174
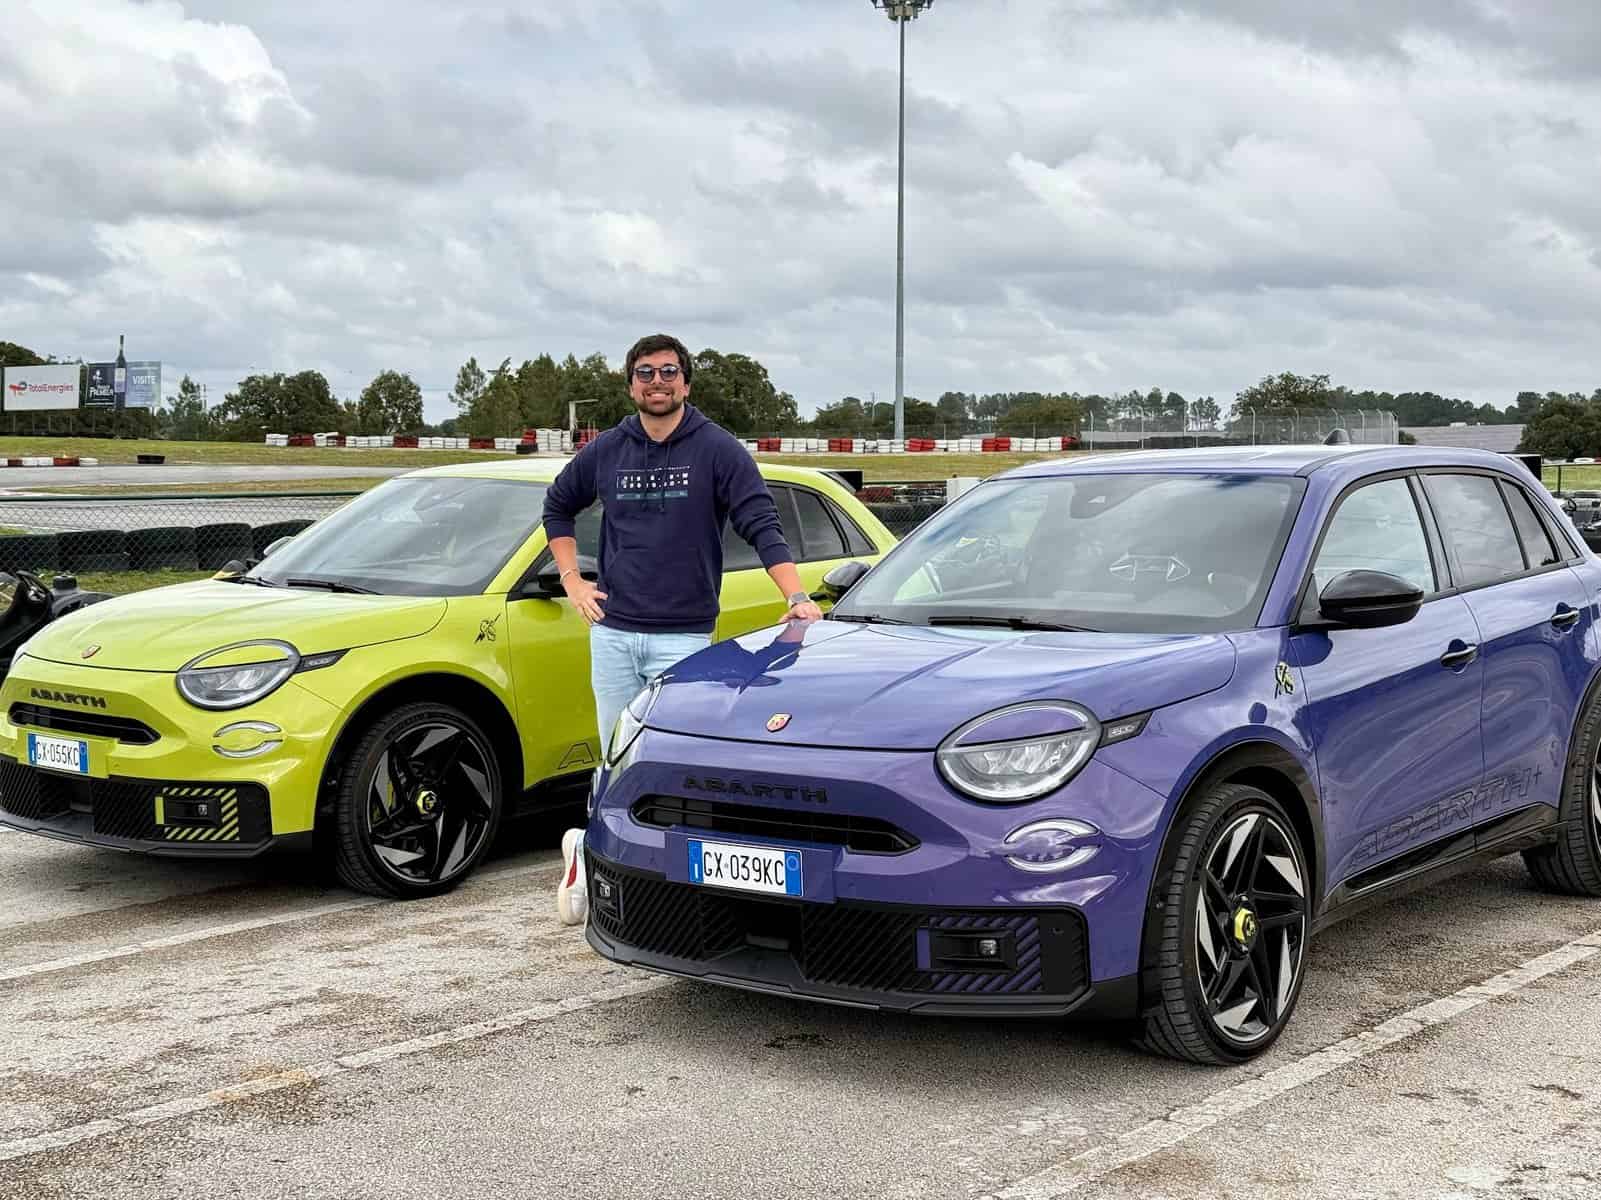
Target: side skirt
1533,826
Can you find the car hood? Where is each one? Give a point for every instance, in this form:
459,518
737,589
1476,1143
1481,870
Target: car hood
162,629
907,688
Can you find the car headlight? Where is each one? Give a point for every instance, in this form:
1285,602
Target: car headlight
1020,752
631,721
247,672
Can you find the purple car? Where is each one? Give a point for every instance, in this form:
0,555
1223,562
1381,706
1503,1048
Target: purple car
1116,737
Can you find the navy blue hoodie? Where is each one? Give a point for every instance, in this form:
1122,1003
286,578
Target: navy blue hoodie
665,506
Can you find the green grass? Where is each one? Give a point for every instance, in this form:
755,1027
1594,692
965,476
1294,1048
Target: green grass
133,581
915,466
1574,479
311,487
113,451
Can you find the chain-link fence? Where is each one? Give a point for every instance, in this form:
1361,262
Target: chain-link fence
116,540
78,535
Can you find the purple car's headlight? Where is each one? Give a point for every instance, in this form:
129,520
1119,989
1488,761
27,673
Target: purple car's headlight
1019,753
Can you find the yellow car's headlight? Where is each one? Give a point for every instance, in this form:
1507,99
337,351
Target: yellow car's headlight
208,683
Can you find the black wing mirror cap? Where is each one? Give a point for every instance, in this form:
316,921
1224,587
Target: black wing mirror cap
547,580
1369,600
841,580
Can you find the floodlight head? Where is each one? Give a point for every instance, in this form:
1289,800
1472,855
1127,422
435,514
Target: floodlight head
902,10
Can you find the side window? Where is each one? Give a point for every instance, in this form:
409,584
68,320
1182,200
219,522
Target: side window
821,537
587,530
1536,541
1475,521
1376,528
737,552
785,499
857,543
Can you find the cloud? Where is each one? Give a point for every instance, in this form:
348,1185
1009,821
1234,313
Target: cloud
1101,194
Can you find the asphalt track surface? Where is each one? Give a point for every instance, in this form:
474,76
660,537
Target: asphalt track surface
172,1029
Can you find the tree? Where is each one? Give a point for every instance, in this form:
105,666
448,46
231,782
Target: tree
391,403
1564,427
13,355
1285,391
186,419
301,403
470,384
735,391
1204,413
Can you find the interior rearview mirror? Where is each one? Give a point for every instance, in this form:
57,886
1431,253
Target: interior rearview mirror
547,580
1369,600
841,580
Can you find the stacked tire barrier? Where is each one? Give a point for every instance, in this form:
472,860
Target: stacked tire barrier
180,536
963,445
541,439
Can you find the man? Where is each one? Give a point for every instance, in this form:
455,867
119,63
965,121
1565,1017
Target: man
668,480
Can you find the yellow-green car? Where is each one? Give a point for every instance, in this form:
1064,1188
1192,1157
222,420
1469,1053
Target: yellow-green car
392,681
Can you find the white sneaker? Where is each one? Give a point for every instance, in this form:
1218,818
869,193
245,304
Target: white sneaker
572,894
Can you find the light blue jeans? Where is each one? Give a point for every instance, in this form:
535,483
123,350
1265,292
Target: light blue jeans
622,663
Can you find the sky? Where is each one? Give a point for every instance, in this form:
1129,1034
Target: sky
1100,194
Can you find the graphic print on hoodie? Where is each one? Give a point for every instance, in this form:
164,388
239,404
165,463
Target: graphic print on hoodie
665,507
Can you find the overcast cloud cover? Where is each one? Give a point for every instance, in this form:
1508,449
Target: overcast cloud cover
1101,194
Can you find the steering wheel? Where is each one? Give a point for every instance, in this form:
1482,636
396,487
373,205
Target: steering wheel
1168,568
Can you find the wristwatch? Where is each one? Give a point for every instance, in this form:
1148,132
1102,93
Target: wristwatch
799,598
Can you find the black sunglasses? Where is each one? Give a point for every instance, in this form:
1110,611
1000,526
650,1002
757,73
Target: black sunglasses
645,374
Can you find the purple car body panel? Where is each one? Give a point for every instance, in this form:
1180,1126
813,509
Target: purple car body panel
1383,749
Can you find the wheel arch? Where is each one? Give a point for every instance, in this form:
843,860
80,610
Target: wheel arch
475,699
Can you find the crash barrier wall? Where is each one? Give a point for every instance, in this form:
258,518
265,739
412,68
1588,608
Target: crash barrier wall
184,532
528,441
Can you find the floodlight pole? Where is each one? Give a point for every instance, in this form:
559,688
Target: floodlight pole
901,11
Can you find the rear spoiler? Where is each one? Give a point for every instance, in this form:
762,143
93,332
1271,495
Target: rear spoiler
1534,462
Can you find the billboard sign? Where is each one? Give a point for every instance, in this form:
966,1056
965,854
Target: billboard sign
144,385
41,389
100,394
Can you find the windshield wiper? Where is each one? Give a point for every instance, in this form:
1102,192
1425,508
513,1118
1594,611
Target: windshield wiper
332,585
1011,623
253,580
865,619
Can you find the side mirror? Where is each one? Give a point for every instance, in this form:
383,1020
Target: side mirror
841,580
1369,600
547,580
277,545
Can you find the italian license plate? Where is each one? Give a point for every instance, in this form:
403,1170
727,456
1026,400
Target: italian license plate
58,754
746,868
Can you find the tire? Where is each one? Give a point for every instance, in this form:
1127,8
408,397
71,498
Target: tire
164,547
217,545
34,552
79,551
1572,865
263,536
1235,849
418,846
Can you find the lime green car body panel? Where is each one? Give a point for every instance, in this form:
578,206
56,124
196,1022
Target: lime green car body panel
529,655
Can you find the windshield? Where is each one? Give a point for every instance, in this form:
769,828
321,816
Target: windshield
421,535
1134,553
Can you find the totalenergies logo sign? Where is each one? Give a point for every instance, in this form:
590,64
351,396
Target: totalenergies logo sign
41,389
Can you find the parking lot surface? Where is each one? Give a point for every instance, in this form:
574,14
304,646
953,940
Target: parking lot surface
182,1029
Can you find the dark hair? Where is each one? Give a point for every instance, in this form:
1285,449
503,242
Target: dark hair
653,343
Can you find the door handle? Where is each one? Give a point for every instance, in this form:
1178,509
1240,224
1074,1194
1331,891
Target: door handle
1565,617
1459,658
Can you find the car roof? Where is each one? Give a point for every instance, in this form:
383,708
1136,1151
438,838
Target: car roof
532,469
1348,460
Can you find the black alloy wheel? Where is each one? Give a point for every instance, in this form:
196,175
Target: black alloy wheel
418,803
1227,937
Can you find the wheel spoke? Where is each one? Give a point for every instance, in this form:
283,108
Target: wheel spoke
1224,985
423,840
1286,921
1262,980
1237,844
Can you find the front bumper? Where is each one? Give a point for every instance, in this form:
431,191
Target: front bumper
891,857
888,957
152,764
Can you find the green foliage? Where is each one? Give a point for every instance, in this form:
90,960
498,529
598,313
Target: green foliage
1563,426
278,403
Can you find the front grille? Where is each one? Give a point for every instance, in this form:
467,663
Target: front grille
67,720
864,835
876,949
128,808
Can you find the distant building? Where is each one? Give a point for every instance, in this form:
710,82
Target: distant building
1501,438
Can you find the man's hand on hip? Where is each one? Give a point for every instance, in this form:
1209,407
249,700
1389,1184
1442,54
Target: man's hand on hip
585,597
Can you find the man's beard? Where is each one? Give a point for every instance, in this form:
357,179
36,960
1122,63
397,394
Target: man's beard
674,403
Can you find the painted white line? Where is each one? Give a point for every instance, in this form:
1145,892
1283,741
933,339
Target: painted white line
327,1069
219,931
1095,1164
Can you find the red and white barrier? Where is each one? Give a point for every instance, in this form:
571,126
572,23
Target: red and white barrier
49,460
